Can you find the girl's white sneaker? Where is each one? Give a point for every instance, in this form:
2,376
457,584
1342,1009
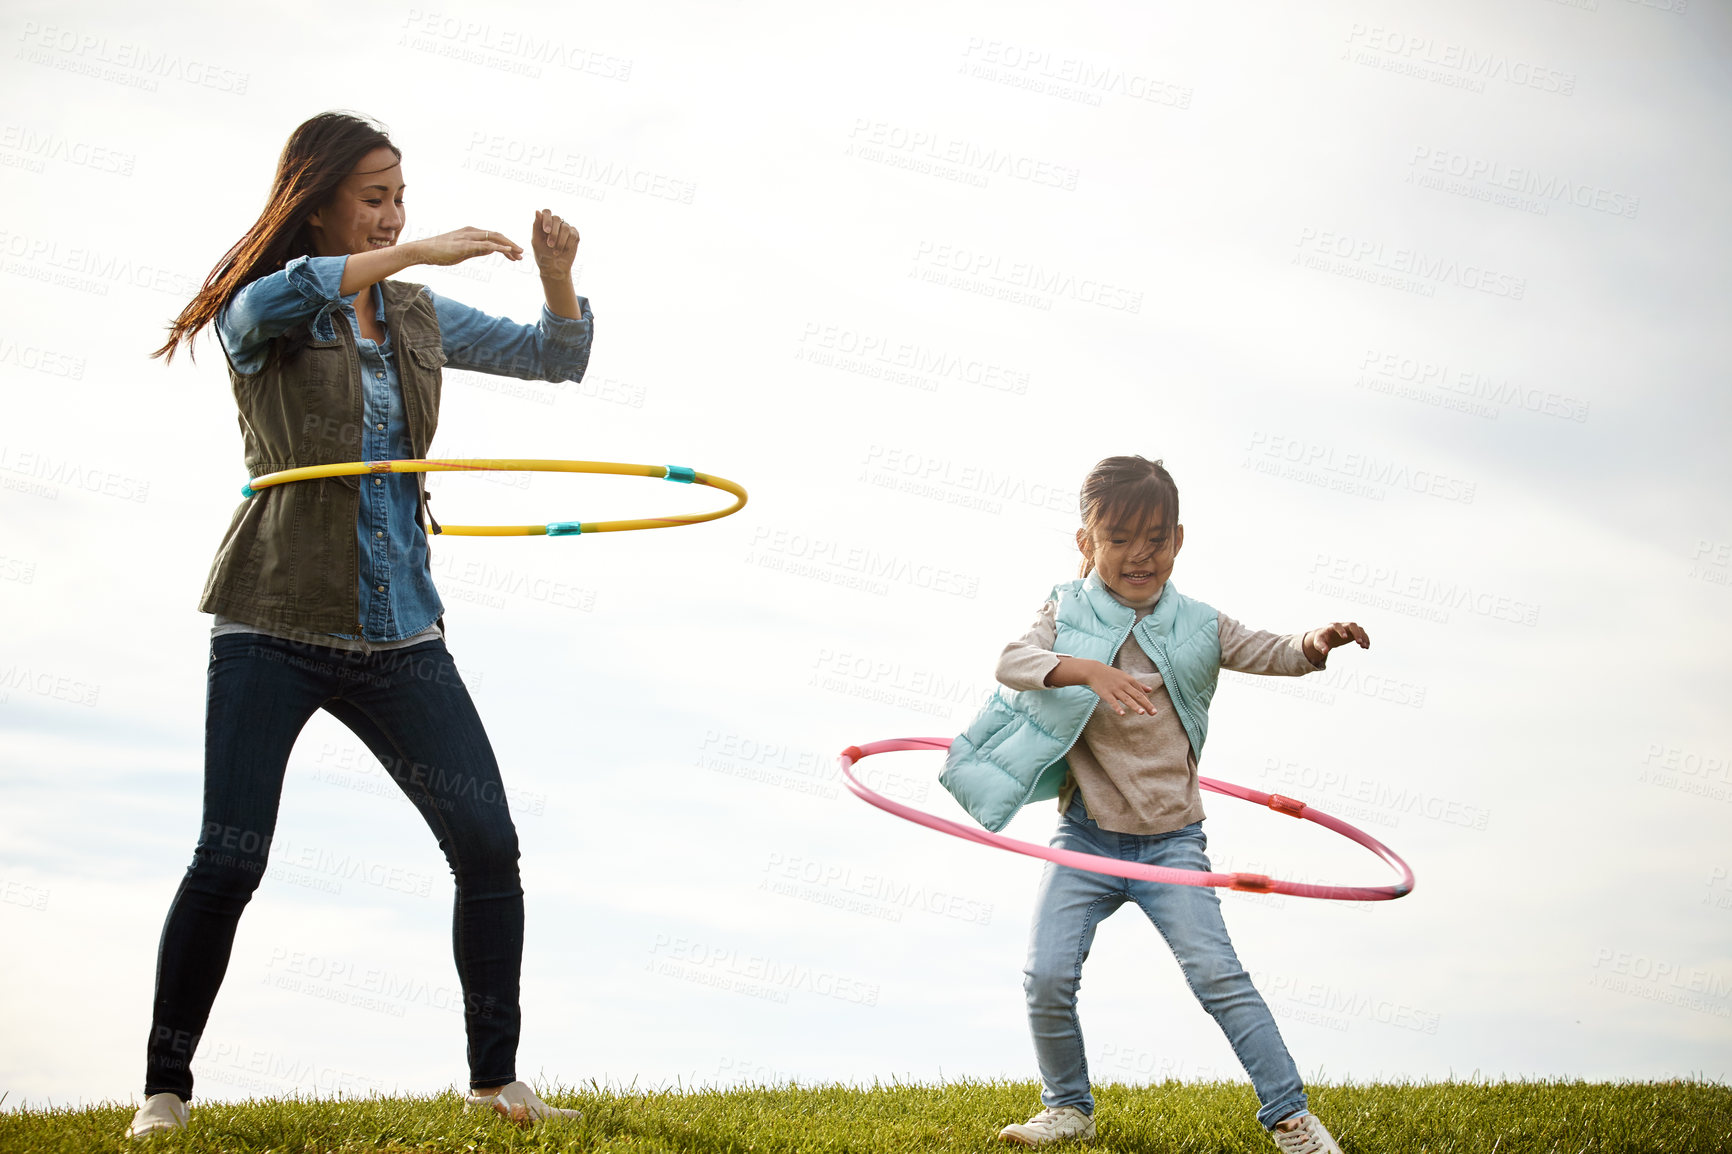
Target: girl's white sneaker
1303,1134
160,1112
520,1104
1059,1124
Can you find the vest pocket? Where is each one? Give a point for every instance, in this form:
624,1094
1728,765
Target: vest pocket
421,380
330,415
429,357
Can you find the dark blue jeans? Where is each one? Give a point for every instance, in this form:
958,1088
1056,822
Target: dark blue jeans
413,712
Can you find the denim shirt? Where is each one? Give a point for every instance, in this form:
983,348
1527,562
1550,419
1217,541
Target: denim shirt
397,597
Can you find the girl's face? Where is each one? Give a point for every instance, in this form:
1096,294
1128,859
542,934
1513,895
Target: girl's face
366,211
1133,561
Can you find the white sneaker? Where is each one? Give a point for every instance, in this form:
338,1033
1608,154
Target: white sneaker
160,1112
519,1103
1059,1124
1303,1134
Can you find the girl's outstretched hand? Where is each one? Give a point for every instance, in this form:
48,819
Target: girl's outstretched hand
554,242
463,244
1319,642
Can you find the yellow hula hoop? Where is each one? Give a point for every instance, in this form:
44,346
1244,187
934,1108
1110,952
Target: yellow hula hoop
512,465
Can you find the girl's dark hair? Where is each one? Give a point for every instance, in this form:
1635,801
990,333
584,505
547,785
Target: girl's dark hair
1127,492
318,155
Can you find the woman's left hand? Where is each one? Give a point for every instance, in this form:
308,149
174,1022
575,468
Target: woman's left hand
554,243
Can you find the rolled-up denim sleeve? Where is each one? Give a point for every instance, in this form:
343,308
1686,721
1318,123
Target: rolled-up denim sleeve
274,304
554,348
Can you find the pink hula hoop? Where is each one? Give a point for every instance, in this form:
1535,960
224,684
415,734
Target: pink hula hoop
1248,883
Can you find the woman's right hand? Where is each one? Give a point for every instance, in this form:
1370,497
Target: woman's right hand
464,244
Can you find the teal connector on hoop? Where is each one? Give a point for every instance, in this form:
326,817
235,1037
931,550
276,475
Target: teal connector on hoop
564,528
681,473
247,490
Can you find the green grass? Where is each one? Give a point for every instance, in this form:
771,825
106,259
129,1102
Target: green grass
1171,1118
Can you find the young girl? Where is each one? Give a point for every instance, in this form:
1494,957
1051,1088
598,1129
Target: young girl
321,589
1127,782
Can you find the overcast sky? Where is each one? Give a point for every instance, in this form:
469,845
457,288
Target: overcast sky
1418,302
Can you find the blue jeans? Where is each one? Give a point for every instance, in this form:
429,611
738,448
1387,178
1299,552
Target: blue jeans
413,712
1072,902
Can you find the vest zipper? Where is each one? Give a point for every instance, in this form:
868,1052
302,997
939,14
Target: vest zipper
358,415
1164,668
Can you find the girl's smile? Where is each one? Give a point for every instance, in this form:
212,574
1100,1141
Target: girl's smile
1133,562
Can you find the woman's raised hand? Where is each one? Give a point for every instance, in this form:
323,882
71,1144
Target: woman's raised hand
554,242
465,243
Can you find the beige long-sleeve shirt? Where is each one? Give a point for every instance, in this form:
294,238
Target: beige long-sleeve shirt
1137,772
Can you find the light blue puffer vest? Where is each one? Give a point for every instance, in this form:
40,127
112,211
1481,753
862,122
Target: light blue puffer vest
1014,750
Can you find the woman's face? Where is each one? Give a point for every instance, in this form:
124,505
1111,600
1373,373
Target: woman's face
366,211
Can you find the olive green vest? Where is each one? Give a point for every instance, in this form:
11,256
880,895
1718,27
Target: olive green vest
289,561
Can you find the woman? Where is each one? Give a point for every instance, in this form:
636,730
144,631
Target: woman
321,589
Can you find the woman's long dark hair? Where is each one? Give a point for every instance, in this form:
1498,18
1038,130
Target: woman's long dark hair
318,155
1130,492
